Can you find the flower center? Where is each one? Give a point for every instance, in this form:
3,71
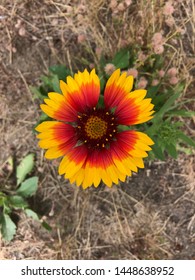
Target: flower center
95,127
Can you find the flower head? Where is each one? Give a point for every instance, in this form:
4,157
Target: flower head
173,80
142,82
158,49
168,9
172,72
88,135
109,68
132,72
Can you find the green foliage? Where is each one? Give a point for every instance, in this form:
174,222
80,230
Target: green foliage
8,228
14,199
24,168
164,128
121,59
28,187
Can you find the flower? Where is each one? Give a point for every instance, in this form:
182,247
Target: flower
168,9
173,80
161,73
88,135
157,38
172,72
81,38
142,82
132,72
158,49
109,68
155,82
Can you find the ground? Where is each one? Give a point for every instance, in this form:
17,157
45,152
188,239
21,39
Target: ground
152,214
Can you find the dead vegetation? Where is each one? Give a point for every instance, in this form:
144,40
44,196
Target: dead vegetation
151,216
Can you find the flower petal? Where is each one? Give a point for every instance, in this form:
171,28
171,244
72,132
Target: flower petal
73,161
135,144
82,91
117,87
54,133
58,108
134,109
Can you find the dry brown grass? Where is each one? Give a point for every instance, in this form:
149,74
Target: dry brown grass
151,216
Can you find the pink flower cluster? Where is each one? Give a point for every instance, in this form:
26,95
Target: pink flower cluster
168,10
172,74
157,43
142,82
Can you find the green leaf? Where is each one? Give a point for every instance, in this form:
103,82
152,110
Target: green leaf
8,228
30,213
17,201
166,106
152,90
171,150
28,187
102,83
121,59
61,71
46,226
56,83
36,92
158,62
182,113
24,168
157,150
186,139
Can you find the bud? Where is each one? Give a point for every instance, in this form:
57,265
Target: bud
109,68
132,72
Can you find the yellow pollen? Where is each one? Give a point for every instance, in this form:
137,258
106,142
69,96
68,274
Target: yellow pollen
107,113
79,117
85,141
98,144
112,118
106,139
103,145
95,127
110,135
114,130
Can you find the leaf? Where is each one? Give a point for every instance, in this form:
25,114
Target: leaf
61,71
46,226
17,201
152,90
56,83
36,92
28,187
171,150
158,62
157,150
166,106
102,83
24,168
186,139
30,213
8,228
121,59
182,113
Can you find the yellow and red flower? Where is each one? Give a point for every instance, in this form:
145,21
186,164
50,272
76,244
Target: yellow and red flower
87,135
